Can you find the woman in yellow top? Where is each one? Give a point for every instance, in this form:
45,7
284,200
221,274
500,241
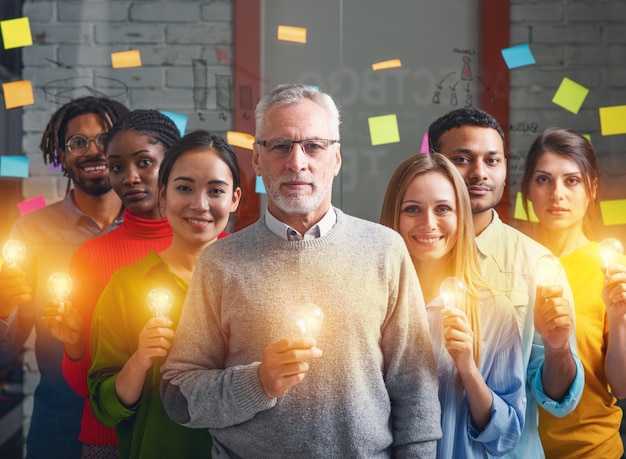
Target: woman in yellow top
561,182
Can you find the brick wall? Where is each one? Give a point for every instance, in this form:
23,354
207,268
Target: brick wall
582,40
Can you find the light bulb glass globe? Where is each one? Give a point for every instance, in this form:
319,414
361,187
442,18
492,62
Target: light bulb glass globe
160,301
309,319
60,285
13,252
610,250
452,291
548,269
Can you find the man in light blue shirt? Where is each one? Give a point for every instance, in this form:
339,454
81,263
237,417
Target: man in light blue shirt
474,142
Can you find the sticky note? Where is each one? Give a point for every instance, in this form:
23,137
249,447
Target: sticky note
31,205
570,95
519,213
384,129
14,166
126,59
613,120
179,120
240,139
259,187
425,148
18,94
384,65
518,56
294,34
613,212
16,33
54,168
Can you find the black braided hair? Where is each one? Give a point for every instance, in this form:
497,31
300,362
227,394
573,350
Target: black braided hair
53,138
152,123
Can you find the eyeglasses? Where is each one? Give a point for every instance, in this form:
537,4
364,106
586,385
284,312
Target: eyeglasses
311,147
79,144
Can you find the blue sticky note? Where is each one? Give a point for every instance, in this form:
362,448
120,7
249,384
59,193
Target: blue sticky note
259,187
179,120
14,166
518,56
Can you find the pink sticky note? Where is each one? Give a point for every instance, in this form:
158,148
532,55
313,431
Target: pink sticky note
425,147
31,205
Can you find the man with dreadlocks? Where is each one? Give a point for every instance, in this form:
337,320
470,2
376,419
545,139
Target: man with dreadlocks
74,139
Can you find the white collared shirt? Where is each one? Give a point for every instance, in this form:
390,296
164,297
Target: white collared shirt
318,230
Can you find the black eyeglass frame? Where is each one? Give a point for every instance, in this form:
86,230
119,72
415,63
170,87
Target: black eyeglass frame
263,143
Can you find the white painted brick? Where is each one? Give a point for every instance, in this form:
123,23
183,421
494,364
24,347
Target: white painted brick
129,34
580,33
170,55
615,33
537,13
591,55
592,12
88,55
171,100
38,56
38,185
39,12
46,33
218,54
217,34
217,11
93,11
178,77
137,77
165,12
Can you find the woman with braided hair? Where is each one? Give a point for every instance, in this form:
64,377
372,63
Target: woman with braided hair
134,147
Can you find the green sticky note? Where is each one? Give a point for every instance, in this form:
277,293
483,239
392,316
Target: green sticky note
613,212
519,213
570,95
16,33
613,120
588,137
384,129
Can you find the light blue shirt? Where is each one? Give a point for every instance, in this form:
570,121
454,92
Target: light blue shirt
501,366
508,260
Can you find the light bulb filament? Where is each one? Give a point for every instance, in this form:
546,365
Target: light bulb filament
160,301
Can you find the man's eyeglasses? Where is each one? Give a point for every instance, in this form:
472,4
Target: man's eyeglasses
311,147
78,144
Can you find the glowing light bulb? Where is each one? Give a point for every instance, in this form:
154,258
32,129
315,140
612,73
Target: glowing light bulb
309,319
13,252
160,301
548,269
610,251
452,291
60,286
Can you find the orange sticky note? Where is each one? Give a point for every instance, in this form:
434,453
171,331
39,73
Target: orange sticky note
384,65
18,94
294,34
240,139
126,59
16,33
613,120
613,212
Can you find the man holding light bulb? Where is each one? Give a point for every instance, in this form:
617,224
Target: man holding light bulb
51,235
242,366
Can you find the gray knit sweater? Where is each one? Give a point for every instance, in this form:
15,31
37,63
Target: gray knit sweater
374,391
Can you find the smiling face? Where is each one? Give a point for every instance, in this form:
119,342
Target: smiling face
298,185
89,172
428,217
199,197
134,159
558,193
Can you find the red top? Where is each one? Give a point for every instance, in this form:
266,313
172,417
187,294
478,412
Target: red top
91,267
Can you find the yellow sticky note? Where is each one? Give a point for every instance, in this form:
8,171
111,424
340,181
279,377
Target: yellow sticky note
384,65
384,129
570,95
519,213
613,212
613,120
16,33
588,137
240,139
289,33
126,59
18,94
